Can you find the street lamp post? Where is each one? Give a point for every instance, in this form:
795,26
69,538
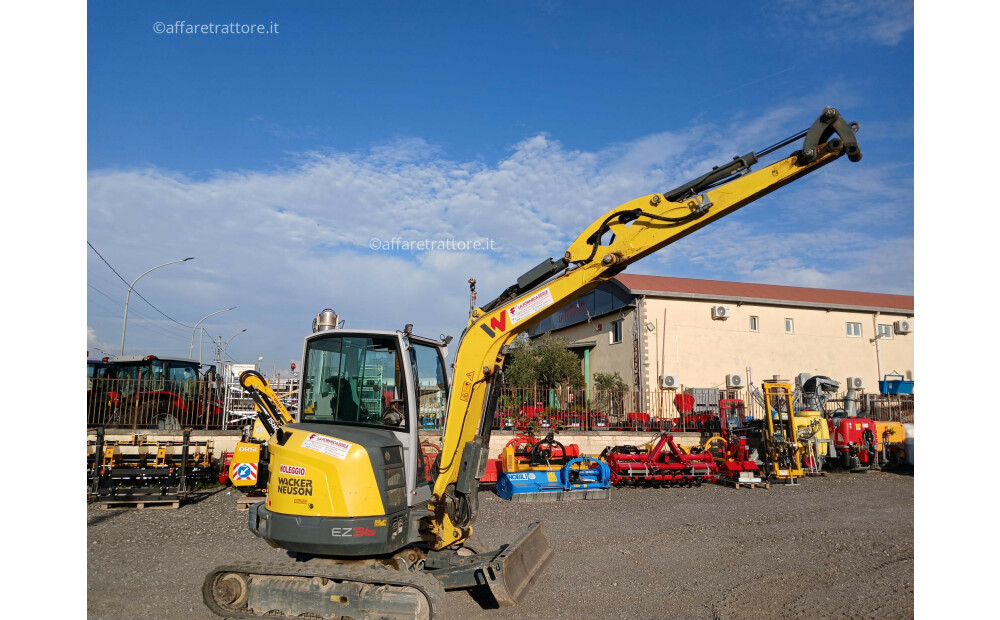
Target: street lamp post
129,296
226,347
191,351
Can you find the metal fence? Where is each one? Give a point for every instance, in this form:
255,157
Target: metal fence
172,405
659,410
148,404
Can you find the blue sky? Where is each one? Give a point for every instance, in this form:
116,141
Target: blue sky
275,159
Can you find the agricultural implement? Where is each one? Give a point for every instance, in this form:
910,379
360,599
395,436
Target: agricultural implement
782,451
729,448
137,469
856,442
548,471
893,443
664,463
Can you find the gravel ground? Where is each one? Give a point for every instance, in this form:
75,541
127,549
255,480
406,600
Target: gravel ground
839,546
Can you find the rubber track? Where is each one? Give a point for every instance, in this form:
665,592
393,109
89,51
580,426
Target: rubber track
429,586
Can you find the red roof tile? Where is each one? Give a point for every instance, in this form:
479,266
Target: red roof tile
735,291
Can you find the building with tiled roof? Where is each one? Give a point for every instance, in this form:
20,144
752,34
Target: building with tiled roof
698,333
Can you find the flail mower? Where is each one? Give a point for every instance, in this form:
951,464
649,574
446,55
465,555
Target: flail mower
548,471
663,464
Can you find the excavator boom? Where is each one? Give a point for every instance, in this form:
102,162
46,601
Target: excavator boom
615,240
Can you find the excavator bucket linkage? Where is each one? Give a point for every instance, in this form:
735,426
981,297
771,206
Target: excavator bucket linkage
508,571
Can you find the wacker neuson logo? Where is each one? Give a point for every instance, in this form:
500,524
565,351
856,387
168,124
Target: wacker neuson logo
292,486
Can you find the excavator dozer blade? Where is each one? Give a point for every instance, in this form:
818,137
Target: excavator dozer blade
516,567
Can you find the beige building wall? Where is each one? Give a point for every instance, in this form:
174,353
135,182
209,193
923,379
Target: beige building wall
686,341
605,356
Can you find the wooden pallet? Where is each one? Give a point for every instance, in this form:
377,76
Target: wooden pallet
246,501
736,484
820,474
136,503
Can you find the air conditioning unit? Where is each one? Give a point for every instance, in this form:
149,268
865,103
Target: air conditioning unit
721,312
857,383
670,382
902,327
735,382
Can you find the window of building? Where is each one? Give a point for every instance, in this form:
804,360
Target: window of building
885,331
755,323
789,326
854,330
616,332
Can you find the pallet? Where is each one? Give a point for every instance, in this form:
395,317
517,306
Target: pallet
820,474
736,484
246,501
140,503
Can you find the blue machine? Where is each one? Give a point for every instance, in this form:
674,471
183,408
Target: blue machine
585,477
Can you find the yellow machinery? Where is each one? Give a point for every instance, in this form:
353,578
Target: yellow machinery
245,472
782,450
373,530
139,468
892,442
813,433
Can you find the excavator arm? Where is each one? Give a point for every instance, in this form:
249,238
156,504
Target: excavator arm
271,413
615,240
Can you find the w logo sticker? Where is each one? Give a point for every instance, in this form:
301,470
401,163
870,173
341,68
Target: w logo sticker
499,324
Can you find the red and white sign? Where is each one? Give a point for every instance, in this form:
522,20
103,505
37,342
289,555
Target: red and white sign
538,301
327,445
292,470
245,471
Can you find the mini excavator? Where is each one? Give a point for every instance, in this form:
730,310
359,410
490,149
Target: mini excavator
371,530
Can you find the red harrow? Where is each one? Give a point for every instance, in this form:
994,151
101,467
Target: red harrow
664,464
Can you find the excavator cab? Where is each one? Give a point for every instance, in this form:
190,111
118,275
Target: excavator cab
393,384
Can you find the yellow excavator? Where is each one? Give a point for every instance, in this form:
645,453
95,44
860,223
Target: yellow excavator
373,491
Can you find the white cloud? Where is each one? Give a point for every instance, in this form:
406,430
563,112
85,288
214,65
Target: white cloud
283,244
882,22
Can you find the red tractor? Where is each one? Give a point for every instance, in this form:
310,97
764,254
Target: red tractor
158,392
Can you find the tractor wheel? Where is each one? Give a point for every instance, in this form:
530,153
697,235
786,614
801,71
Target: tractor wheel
165,421
154,413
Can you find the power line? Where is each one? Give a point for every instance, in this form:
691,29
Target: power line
136,292
161,329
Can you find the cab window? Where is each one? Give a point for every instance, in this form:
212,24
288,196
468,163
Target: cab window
432,387
354,380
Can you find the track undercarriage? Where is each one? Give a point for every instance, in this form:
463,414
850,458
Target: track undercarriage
407,585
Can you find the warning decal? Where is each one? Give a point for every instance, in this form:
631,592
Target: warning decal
327,445
245,471
531,305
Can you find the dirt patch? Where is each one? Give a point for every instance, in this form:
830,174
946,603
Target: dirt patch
834,547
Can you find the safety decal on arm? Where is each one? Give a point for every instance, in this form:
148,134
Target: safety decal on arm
540,300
